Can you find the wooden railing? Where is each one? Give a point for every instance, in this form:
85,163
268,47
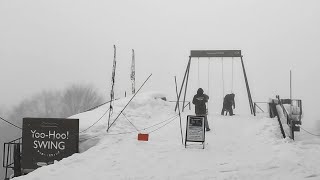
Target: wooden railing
292,117
256,107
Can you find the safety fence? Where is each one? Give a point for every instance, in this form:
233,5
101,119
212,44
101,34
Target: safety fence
260,108
12,157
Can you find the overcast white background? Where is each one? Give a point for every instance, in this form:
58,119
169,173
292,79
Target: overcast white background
49,44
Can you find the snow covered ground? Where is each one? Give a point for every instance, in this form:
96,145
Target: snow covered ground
238,147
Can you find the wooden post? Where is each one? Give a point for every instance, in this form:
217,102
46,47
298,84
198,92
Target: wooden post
247,86
17,160
291,129
175,80
185,74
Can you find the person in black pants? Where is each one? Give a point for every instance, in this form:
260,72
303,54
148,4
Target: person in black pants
200,100
228,102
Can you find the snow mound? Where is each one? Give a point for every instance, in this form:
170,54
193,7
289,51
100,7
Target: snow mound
139,113
237,147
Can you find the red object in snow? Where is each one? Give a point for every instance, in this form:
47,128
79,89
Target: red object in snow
143,137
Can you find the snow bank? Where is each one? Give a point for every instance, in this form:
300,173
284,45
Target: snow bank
93,124
237,147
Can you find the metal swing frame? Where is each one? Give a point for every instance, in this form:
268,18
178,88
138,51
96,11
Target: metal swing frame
209,54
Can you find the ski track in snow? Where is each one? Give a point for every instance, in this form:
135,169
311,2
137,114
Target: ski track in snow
238,147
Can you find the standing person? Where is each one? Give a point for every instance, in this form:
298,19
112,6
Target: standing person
199,100
228,102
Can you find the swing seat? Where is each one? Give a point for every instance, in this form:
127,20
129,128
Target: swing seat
143,137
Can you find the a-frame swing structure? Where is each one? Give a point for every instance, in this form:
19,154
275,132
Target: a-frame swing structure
211,54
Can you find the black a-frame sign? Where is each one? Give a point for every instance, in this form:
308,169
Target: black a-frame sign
213,53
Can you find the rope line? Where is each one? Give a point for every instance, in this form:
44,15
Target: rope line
128,102
96,121
208,84
85,139
163,125
208,76
222,77
10,123
129,132
169,119
173,117
130,121
310,132
88,138
232,77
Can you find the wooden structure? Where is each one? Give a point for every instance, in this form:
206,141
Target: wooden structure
209,54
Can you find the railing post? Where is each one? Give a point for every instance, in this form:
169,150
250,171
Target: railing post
3,155
279,120
291,125
17,160
6,166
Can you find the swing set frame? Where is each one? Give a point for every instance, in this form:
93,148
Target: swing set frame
209,54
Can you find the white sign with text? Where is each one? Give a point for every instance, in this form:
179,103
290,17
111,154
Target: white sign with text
195,131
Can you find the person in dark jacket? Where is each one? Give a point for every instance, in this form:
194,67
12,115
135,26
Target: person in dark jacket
228,102
200,100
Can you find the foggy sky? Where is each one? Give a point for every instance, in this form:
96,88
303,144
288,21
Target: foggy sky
50,44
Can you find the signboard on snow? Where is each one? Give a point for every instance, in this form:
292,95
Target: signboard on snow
195,130
215,53
45,140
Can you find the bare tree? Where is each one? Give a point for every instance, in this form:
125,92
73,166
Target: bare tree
79,98
56,104
46,104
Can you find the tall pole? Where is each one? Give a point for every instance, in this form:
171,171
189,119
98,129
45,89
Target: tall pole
112,83
133,73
